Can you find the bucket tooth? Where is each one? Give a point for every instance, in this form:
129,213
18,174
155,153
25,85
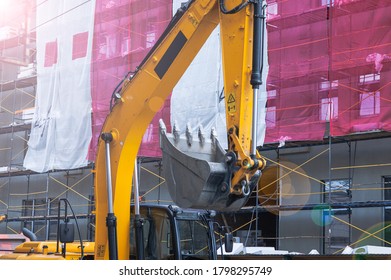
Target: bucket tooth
213,135
162,126
189,135
199,175
175,131
201,135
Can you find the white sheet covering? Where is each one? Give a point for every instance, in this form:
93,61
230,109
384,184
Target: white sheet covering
196,99
61,126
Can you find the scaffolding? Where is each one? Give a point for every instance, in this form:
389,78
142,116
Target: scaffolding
28,198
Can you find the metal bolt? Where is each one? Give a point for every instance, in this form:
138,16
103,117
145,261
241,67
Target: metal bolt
224,187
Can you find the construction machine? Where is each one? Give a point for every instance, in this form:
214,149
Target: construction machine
199,172
158,232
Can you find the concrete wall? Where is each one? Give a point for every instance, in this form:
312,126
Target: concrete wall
303,230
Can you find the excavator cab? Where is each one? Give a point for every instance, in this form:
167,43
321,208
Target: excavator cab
170,232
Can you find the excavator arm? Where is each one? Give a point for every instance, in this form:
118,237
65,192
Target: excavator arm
143,94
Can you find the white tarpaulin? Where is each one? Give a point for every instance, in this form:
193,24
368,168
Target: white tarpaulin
61,127
198,99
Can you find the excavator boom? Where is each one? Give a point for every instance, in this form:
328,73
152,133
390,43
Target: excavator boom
228,176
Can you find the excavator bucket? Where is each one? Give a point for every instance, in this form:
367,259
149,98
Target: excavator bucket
198,171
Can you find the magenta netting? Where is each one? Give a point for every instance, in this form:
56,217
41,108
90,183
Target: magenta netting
329,63
124,32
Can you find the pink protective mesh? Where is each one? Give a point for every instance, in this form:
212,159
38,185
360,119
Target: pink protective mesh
328,64
124,32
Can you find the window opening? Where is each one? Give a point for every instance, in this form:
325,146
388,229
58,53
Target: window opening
328,107
336,232
369,103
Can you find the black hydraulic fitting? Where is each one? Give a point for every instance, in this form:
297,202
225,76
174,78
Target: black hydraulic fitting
107,137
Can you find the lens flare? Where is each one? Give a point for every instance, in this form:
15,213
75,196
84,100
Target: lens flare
284,184
320,216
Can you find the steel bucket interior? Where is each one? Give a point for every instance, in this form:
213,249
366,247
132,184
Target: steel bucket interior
197,172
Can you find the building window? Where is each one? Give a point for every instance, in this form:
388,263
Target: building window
369,103
272,93
369,78
272,10
328,100
328,107
126,46
336,221
271,116
150,37
387,211
327,2
326,85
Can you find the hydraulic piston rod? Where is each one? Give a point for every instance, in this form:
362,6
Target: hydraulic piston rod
111,220
256,75
138,221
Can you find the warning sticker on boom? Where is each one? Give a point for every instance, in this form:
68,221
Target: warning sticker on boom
231,103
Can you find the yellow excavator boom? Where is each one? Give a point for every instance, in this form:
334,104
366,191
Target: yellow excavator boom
143,94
